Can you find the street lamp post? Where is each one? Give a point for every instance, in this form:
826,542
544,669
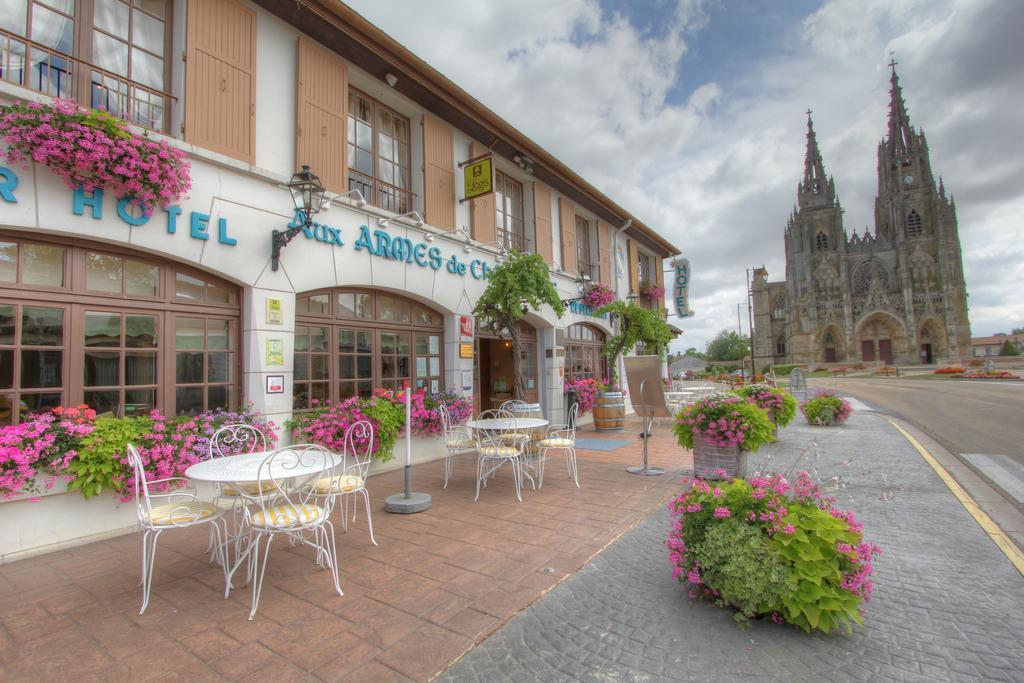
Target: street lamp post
308,195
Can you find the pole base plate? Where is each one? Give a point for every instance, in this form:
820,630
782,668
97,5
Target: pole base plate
646,471
416,502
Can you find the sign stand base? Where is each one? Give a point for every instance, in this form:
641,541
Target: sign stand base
403,504
644,469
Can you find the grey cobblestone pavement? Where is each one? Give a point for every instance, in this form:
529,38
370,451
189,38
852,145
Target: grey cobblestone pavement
947,605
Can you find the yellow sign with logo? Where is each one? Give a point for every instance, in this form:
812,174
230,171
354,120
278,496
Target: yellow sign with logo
478,178
466,350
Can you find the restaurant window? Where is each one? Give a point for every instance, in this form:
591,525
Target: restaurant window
508,202
583,357
117,332
377,340
117,63
584,251
378,153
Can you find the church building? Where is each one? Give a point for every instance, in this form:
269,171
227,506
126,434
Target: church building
893,297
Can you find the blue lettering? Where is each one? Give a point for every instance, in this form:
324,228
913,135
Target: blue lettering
319,232
401,249
383,243
474,266
364,240
124,214
222,233
418,254
7,186
298,220
334,236
487,271
93,199
435,258
199,225
452,265
172,218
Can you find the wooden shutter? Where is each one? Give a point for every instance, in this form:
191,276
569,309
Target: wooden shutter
604,251
542,216
321,114
567,227
220,78
482,211
439,180
634,267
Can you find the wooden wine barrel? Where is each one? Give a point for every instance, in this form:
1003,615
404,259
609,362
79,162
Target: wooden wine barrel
610,412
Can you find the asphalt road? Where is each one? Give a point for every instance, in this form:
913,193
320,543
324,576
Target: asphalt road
964,416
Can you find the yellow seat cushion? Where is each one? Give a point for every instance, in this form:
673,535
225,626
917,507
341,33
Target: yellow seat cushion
557,443
338,484
287,515
499,451
515,436
250,488
461,443
185,512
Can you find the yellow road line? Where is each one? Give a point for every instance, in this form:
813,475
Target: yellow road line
1013,554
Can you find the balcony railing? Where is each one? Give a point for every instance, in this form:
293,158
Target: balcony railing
513,240
381,194
37,67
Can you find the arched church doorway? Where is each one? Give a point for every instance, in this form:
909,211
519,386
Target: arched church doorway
931,341
881,337
831,345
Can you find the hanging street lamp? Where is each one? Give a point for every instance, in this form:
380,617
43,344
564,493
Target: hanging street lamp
307,195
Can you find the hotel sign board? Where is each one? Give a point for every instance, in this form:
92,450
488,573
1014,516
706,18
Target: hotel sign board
477,178
681,287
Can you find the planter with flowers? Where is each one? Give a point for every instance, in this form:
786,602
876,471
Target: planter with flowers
586,390
778,403
768,547
651,290
721,429
598,295
826,408
93,150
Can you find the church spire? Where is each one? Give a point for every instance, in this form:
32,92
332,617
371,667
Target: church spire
816,189
901,133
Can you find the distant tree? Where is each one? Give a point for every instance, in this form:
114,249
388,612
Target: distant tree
727,345
692,352
1009,349
1017,330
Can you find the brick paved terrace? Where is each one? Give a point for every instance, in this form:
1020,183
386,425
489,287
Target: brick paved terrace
438,583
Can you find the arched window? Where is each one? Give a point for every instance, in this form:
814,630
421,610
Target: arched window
583,356
118,331
349,342
780,347
914,228
821,242
779,307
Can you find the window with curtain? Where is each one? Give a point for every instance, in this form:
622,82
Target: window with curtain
583,357
117,331
508,202
117,63
378,153
376,340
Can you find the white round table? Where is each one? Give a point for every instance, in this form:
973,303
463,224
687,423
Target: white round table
504,423
235,469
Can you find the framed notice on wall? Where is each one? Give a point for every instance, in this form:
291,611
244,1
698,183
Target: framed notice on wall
275,311
275,384
275,352
466,350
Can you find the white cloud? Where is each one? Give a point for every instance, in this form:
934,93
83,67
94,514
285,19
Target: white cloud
717,173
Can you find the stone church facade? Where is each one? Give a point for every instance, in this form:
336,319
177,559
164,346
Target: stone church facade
893,297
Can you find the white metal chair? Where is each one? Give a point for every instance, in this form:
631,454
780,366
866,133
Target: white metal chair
513,406
561,438
351,479
236,439
495,448
178,508
458,439
291,511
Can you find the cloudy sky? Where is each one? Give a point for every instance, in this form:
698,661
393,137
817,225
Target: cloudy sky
690,114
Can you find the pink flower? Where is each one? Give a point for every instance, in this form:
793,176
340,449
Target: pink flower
723,512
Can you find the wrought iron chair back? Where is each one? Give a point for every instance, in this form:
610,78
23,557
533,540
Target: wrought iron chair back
290,506
234,439
512,404
358,449
498,437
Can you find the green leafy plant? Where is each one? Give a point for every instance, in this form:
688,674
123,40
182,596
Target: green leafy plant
723,419
389,419
826,408
519,284
635,325
98,464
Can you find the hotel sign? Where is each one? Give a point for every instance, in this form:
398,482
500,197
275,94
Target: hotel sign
478,178
681,285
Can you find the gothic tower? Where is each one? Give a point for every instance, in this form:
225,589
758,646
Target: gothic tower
816,303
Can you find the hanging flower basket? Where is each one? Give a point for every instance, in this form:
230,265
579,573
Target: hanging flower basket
93,150
651,290
599,295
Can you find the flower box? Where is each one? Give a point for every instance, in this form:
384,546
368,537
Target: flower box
717,462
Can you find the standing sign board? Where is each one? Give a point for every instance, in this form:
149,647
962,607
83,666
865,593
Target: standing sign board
477,177
681,287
